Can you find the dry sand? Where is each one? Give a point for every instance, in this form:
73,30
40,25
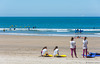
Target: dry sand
26,50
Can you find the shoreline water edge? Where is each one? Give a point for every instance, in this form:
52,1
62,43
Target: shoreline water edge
50,26
49,32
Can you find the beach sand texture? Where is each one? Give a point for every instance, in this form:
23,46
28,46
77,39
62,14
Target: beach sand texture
26,50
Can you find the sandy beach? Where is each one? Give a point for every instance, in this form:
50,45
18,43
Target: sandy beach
26,50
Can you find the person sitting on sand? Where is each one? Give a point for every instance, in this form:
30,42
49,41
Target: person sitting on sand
73,47
44,51
56,51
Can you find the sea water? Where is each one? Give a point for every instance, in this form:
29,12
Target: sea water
50,26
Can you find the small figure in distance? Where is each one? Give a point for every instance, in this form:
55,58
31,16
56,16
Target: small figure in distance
80,30
76,30
34,27
4,30
14,27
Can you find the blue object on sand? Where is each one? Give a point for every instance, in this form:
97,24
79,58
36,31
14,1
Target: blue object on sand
97,55
92,55
89,56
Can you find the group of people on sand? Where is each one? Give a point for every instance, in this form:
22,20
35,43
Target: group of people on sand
72,48
45,53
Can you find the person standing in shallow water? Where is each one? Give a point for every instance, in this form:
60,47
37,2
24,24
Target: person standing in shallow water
85,42
73,47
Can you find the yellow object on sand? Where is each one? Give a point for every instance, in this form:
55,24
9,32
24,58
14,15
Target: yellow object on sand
63,55
50,55
60,55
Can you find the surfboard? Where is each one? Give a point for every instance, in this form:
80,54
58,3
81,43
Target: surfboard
89,56
92,55
97,55
48,55
61,56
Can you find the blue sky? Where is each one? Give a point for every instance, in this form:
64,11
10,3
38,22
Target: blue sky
50,8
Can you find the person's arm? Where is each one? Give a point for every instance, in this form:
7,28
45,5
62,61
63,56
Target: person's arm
75,44
46,51
58,52
84,43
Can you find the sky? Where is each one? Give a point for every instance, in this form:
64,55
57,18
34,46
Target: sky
52,8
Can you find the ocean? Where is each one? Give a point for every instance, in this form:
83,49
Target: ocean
50,26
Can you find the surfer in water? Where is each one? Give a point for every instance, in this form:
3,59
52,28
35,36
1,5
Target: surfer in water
34,27
76,30
14,27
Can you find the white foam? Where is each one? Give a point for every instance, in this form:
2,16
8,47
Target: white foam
44,29
24,29
97,33
28,34
91,29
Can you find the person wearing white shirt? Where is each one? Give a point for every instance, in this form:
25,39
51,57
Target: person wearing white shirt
73,47
44,51
85,42
56,51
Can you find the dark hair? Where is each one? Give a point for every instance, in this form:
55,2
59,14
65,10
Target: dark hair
56,47
85,38
72,39
44,47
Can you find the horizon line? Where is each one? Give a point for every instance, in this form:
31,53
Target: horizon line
49,16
